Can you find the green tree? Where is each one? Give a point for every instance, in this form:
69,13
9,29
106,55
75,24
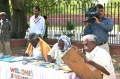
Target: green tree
52,5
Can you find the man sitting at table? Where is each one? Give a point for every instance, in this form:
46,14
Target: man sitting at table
37,47
98,57
59,49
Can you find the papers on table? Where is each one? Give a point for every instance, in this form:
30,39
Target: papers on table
11,58
65,68
15,59
35,62
52,65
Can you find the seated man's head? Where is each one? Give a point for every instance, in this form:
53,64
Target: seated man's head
33,39
89,42
64,43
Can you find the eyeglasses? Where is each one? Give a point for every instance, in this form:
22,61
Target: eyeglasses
86,44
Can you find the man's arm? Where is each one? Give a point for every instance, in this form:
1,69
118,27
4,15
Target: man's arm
10,29
108,25
51,54
43,27
31,23
87,29
99,67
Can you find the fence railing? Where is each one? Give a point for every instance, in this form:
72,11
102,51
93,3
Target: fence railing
59,15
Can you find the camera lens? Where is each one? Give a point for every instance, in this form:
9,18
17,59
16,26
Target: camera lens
91,13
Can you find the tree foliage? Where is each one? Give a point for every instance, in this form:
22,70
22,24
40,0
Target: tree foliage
48,6
4,7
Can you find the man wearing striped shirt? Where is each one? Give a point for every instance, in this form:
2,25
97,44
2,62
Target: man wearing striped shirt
37,23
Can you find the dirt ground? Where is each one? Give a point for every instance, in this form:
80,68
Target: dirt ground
18,51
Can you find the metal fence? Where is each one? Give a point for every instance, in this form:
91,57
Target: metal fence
59,15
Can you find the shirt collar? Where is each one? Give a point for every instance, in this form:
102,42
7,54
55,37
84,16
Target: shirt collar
104,18
37,17
93,52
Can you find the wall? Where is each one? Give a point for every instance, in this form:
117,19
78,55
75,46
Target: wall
114,49
61,19
18,42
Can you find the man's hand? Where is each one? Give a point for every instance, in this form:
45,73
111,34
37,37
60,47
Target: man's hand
50,59
53,61
88,60
99,67
25,54
86,23
97,21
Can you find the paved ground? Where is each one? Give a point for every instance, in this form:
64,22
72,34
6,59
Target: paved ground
115,58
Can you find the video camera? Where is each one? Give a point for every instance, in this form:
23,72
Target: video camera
91,13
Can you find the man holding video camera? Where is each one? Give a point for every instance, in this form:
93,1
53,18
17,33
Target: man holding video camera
100,27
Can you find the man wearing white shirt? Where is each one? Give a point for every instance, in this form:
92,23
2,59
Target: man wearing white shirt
36,53
98,57
37,23
37,48
59,49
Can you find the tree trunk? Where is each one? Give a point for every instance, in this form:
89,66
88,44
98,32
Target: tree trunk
19,21
4,7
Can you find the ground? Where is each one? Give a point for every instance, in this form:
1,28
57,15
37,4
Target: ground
115,58
116,63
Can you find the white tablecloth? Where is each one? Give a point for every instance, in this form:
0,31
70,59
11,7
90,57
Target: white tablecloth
37,72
